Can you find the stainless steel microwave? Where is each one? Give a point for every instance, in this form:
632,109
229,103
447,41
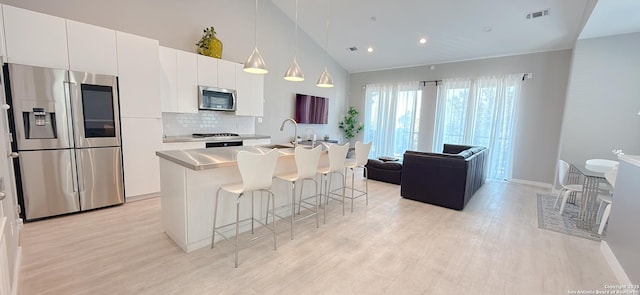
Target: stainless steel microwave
216,99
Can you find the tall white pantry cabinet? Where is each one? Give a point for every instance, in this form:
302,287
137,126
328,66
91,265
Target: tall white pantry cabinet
138,68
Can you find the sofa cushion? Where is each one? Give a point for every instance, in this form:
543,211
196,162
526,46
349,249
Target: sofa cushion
388,165
454,148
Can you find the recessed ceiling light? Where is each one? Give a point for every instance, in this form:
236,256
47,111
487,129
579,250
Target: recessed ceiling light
423,41
370,49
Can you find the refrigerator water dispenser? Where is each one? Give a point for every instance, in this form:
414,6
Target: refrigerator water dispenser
39,124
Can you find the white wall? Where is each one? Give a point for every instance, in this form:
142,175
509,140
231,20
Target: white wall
603,99
179,24
539,113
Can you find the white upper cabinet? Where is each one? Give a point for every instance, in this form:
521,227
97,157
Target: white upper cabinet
35,39
168,78
207,71
250,96
178,81
187,81
138,68
227,74
3,48
92,49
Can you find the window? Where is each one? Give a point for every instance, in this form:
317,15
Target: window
480,112
392,116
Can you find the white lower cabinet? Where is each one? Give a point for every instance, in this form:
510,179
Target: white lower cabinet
141,138
258,141
183,145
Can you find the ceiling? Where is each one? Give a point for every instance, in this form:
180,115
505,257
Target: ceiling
612,17
455,29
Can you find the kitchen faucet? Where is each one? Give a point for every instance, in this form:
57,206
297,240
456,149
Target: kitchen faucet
295,125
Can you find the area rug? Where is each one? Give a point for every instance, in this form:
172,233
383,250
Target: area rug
549,218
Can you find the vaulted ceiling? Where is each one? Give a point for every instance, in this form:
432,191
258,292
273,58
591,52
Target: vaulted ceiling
455,30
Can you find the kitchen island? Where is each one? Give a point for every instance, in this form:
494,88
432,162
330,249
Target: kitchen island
189,180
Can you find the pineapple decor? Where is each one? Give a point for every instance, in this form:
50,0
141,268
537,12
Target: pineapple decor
209,45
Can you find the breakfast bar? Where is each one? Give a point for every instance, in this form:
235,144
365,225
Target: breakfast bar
190,179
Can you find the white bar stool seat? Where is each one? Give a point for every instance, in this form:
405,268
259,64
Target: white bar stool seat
256,171
362,155
306,165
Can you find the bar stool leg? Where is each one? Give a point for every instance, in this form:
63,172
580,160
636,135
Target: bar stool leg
293,207
317,204
353,186
301,190
366,185
326,198
237,228
215,213
344,193
273,215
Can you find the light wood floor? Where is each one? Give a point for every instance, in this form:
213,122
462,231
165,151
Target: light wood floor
394,246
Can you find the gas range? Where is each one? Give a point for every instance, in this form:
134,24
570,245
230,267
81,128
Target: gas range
216,135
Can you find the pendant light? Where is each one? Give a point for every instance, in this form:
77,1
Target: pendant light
255,64
325,80
293,72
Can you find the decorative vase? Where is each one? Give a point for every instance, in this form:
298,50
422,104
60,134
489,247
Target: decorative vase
209,45
215,47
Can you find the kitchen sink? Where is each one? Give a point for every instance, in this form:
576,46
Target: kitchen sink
277,146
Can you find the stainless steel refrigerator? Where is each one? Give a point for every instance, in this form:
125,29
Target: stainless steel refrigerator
66,131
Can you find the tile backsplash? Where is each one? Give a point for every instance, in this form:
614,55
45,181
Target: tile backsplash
175,124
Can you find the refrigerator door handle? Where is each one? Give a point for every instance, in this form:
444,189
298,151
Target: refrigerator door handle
68,90
74,172
80,171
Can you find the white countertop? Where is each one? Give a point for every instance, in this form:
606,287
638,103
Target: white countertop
201,159
190,138
631,159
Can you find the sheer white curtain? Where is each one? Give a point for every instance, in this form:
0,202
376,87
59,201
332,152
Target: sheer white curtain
392,116
480,112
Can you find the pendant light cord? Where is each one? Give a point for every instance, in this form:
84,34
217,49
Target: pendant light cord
255,25
326,40
295,40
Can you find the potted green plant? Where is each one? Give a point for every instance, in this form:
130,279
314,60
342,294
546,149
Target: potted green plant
350,124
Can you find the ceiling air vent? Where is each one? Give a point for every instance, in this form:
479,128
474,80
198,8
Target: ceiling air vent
538,14
352,49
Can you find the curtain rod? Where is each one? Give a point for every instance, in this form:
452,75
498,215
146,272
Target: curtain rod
424,83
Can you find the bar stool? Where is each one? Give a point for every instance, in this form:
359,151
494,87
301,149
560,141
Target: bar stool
256,171
563,169
337,158
362,155
605,214
611,177
306,164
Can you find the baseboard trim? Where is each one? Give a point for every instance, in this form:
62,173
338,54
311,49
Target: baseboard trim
534,183
615,266
16,272
143,197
